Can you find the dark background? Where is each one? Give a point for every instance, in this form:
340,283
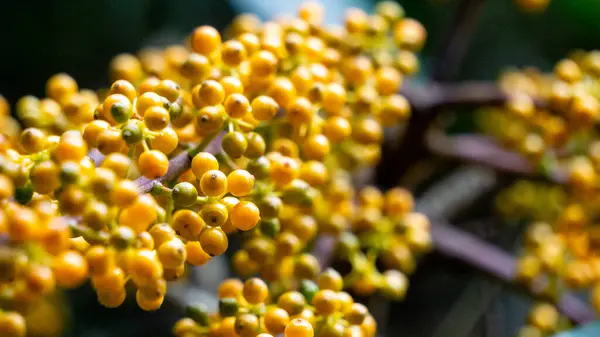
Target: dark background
40,38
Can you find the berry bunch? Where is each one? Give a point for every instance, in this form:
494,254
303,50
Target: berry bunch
551,119
385,234
526,199
257,131
560,249
247,310
543,320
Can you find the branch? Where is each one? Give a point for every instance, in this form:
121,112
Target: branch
483,150
458,40
180,163
467,248
433,96
463,246
323,250
96,156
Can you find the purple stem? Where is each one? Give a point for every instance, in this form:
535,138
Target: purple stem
485,151
323,250
178,165
458,40
467,248
463,246
430,97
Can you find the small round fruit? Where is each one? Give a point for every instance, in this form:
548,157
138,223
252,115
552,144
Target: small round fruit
240,183
299,327
213,183
245,215
153,164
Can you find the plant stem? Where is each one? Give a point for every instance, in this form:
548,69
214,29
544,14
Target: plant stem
179,163
458,40
465,247
469,249
483,150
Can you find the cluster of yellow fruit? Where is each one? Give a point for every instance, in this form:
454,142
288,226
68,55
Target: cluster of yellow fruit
551,119
564,252
558,251
526,199
247,310
381,228
126,184
544,320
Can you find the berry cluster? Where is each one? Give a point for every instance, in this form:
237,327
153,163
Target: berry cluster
551,119
248,309
560,249
544,320
386,234
258,131
526,199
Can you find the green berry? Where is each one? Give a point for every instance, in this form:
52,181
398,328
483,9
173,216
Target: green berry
198,312
184,194
131,132
234,144
122,237
308,289
269,227
228,306
259,167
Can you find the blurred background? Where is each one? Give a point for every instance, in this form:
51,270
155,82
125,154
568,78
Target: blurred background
40,38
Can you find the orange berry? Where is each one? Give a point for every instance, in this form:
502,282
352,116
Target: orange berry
214,241
12,324
275,320
299,327
240,183
213,183
153,164
112,280
196,256
187,224
148,304
71,147
205,40
70,269
144,267
255,290
410,34
264,108
237,105
172,253
202,163
230,288
245,215
316,147
263,63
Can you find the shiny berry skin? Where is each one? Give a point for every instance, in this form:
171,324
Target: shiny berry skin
299,327
205,40
153,164
245,215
